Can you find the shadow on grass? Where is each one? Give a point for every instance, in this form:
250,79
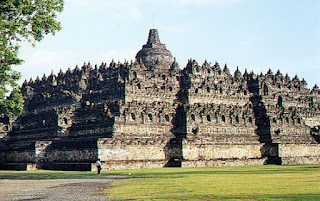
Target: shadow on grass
36,176
43,174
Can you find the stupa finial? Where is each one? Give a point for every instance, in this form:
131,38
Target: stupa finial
154,52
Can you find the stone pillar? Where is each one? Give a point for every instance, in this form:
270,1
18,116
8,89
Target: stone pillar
40,153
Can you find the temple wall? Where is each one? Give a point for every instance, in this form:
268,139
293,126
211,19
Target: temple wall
118,154
150,98
293,154
130,164
209,152
213,98
51,151
298,150
226,129
299,160
69,155
17,160
124,153
18,156
223,162
132,149
151,113
143,130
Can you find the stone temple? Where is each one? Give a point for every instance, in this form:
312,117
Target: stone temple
150,113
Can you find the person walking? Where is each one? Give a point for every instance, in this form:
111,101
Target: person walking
98,164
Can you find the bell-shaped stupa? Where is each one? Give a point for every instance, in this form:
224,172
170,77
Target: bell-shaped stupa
154,52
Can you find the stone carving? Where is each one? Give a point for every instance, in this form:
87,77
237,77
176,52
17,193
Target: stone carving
154,52
151,113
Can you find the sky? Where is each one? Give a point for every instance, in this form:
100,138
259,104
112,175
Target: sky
252,34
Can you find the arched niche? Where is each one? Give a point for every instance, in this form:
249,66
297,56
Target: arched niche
163,77
193,117
279,103
223,118
65,121
134,74
265,90
167,117
237,119
221,90
250,119
133,116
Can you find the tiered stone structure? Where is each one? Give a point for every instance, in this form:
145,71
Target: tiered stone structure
150,113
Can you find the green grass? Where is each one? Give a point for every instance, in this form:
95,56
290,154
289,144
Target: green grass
44,174
220,183
213,183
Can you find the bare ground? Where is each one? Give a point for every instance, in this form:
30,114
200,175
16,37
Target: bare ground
55,189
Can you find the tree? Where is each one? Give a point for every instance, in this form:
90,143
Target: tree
21,20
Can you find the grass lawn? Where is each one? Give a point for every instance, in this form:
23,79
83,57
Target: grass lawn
44,174
220,183
269,182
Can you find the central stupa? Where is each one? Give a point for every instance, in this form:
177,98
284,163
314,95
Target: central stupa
154,52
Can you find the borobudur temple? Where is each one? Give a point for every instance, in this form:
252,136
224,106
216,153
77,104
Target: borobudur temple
150,113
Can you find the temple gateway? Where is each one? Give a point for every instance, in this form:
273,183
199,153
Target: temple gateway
150,113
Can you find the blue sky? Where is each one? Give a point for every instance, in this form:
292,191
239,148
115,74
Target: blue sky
252,34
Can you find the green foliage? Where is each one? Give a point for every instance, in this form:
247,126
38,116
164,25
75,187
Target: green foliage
12,105
21,20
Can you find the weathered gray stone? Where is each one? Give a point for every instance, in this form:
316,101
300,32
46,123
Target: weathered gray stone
150,113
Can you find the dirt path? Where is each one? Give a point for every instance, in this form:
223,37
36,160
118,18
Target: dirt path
55,189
